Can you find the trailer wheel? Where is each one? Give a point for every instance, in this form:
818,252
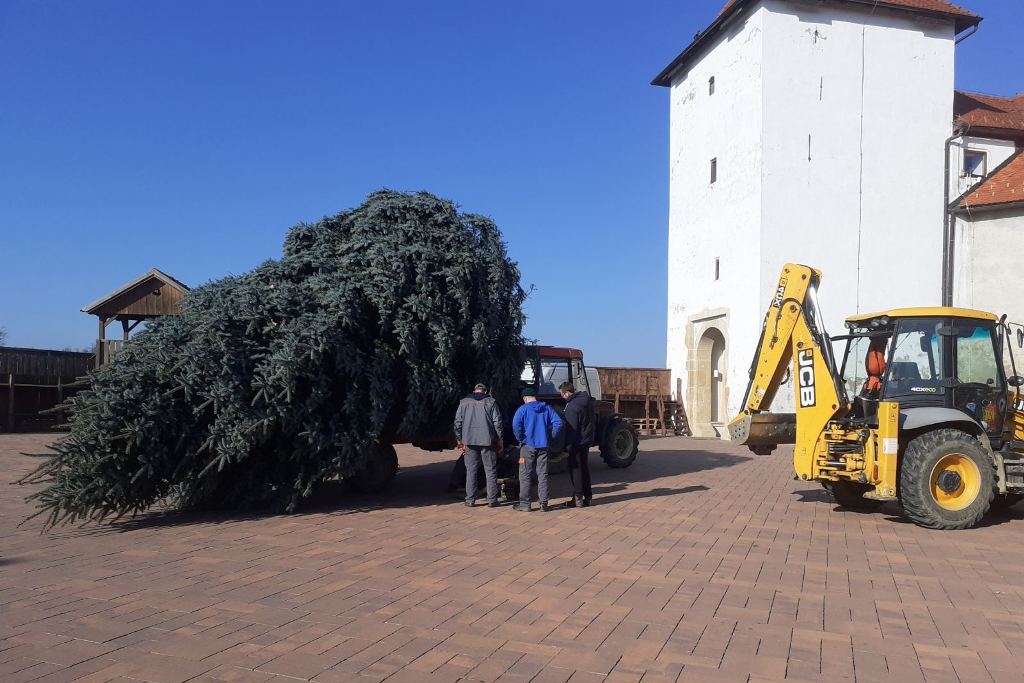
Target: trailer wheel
620,445
850,494
377,473
947,480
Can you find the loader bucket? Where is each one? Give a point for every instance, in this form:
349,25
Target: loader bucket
761,432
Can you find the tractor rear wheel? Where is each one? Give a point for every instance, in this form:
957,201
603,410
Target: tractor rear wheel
378,471
620,444
850,494
947,480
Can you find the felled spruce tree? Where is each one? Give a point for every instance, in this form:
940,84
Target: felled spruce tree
372,323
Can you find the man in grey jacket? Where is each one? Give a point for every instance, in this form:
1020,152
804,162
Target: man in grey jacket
480,431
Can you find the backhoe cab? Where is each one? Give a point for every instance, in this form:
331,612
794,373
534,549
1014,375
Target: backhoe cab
919,410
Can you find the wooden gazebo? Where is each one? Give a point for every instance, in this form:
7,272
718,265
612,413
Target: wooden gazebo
151,295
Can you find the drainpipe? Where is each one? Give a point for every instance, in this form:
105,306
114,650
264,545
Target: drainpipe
949,220
949,226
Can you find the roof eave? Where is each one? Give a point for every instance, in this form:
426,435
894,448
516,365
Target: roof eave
152,273
664,79
976,208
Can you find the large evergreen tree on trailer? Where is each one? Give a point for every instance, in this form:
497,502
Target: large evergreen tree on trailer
368,328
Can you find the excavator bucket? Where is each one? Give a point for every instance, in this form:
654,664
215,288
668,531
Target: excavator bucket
761,432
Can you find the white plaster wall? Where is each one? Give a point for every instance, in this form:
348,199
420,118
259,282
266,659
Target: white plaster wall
721,220
857,110
998,152
988,263
829,122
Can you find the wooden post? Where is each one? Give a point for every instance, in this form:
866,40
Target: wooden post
616,402
647,405
124,326
100,343
10,403
661,411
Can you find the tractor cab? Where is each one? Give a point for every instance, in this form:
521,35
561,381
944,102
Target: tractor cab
547,367
937,357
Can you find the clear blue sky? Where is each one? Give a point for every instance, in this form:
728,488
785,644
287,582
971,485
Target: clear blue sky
190,135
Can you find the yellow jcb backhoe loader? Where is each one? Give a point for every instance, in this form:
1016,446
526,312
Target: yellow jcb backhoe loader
934,422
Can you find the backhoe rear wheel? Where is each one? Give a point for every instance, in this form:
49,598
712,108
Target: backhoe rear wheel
947,480
850,494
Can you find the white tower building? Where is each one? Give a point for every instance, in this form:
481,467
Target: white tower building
810,131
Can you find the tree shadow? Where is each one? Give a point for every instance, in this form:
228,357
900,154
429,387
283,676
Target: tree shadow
425,485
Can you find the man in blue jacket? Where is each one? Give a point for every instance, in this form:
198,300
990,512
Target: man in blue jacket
535,424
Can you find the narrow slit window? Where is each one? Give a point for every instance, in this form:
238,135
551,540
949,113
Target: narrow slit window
714,170
718,270
711,85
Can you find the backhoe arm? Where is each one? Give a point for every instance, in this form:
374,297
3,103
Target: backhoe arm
792,336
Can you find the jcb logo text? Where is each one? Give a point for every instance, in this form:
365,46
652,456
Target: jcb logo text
805,377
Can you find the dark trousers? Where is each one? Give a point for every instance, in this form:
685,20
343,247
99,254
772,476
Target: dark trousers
488,457
530,458
579,472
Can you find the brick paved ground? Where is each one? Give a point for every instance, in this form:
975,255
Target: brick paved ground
699,564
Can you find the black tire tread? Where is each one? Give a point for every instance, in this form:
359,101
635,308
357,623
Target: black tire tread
606,445
916,467
850,494
386,459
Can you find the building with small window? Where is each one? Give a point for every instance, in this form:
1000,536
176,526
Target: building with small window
987,212
828,124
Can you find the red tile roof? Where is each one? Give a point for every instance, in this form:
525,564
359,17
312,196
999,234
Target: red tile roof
1004,186
940,6
987,111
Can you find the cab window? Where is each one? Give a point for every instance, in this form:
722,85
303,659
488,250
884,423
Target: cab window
915,368
975,357
553,371
854,374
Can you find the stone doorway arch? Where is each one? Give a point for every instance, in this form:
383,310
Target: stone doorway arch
706,386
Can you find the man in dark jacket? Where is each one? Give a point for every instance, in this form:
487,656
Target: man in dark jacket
535,425
480,431
581,426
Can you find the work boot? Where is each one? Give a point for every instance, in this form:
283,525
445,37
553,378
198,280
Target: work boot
544,506
521,508
492,503
468,503
571,503
580,502
586,503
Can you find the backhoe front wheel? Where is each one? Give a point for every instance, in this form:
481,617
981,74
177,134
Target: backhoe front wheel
947,480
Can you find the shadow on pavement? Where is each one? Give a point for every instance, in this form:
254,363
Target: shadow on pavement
425,485
891,511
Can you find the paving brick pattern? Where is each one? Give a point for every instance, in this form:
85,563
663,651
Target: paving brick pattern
700,563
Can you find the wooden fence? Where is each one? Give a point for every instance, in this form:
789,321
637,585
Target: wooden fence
34,380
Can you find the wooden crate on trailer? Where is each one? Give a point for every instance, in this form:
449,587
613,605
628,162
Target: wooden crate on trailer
644,396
